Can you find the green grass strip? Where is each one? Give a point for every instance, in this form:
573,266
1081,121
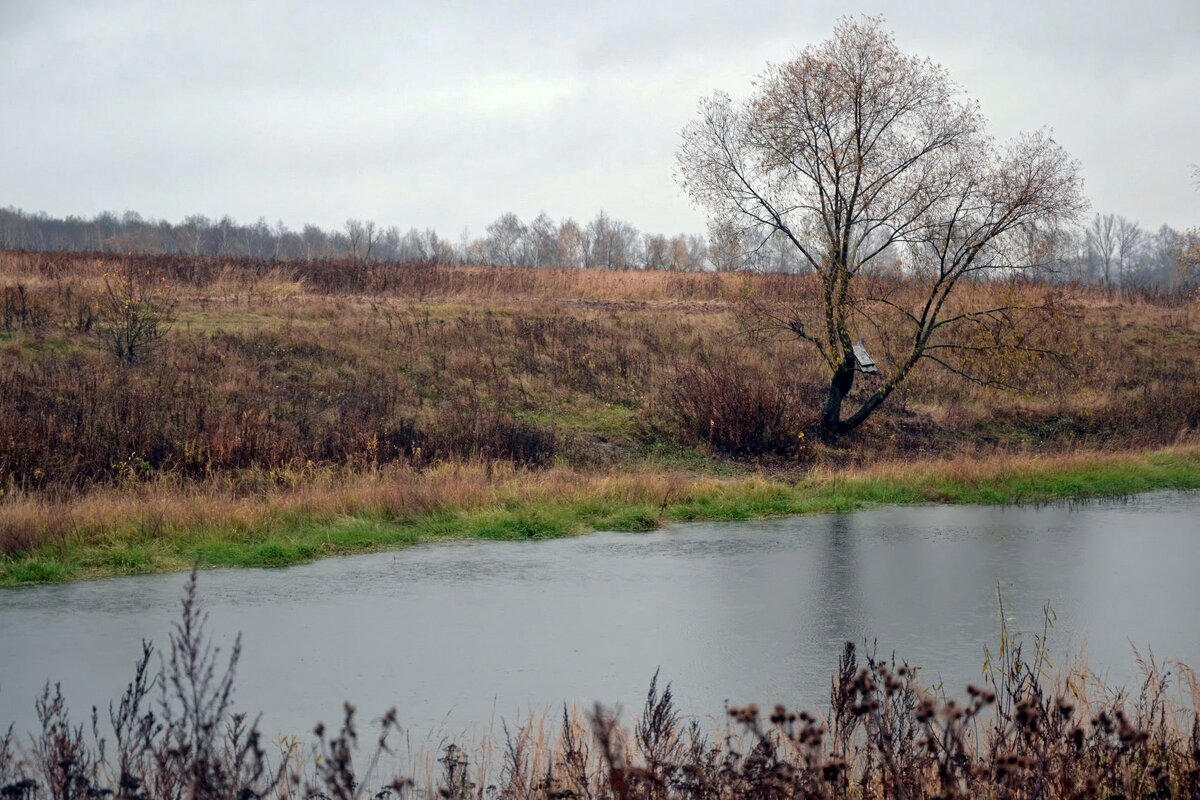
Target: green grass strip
282,540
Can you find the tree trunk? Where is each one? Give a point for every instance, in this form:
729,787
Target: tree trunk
839,386
832,425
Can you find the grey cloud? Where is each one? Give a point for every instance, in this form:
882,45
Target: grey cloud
445,114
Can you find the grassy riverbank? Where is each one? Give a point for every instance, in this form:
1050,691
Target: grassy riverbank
164,527
283,412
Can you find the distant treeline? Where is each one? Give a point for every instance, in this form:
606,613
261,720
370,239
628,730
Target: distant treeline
1109,249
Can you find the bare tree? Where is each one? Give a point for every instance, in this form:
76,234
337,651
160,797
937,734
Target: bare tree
543,239
414,246
725,251
314,242
611,243
227,241
195,228
279,238
855,151
569,247
1102,243
1187,265
1063,254
597,241
507,239
625,249
697,252
371,234
355,233
390,249
778,255
1130,238
259,239
655,251
677,253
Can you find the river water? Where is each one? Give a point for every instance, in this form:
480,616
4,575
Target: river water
459,636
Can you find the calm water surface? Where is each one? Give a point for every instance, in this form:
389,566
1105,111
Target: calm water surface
457,635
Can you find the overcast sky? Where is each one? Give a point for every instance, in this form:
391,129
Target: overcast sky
445,114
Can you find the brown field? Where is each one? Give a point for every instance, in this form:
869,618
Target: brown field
272,378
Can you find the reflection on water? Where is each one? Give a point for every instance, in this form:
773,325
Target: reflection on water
465,633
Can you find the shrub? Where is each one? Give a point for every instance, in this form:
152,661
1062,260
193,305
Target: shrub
20,311
463,432
134,313
736,409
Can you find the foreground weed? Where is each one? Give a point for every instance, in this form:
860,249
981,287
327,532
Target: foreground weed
1022,734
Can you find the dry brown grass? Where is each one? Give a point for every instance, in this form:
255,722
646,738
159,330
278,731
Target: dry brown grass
396,491
275,369
268,519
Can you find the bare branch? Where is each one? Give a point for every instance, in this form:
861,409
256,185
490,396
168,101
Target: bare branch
869,161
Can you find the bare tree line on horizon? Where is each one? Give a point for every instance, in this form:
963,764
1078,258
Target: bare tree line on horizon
604,242
1109,249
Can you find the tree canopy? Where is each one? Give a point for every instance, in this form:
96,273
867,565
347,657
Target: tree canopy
866,159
